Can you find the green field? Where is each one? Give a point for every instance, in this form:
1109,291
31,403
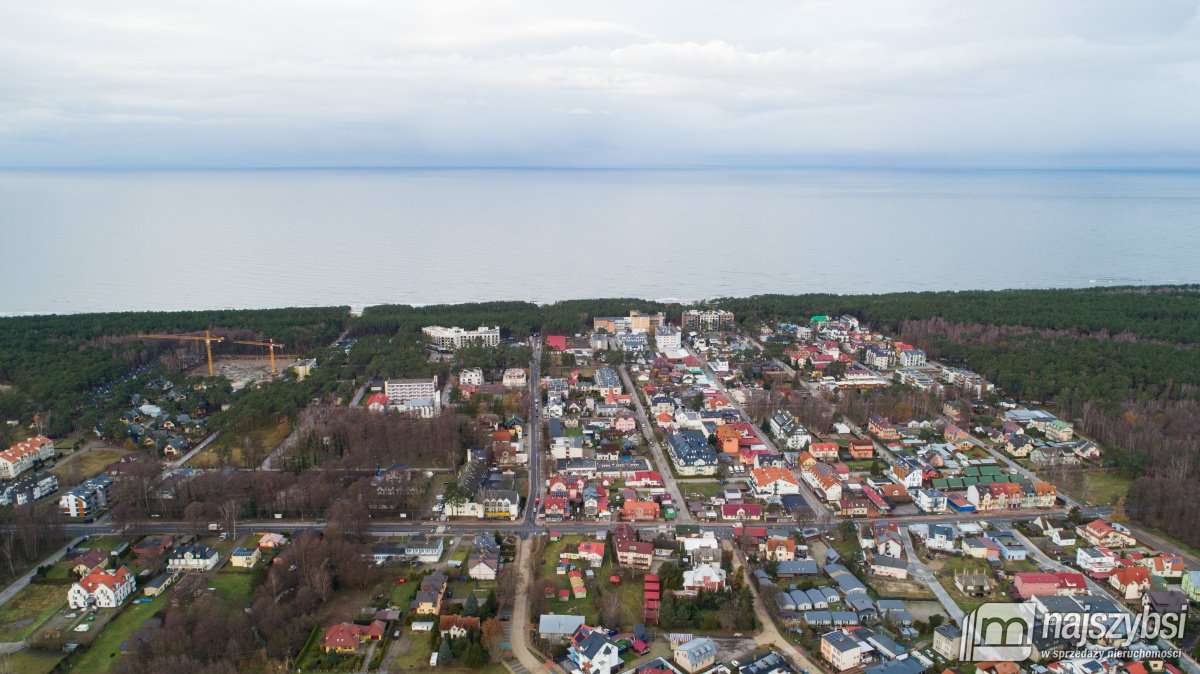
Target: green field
31,607
29,661
1104,488
233,586
87,463
104,652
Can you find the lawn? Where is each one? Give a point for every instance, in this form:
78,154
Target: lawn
29,661
233,586
1105,487
267,435
944,570
87,464
105,651
31,607
705,489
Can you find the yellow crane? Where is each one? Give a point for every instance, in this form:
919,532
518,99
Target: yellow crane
207,338
270,344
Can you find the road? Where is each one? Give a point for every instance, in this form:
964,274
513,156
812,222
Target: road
814,502
769,635
520,616
194,451
529,523
683,515
925,575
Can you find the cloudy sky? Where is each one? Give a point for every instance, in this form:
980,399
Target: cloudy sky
609,83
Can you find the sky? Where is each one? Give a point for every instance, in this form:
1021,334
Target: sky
939,83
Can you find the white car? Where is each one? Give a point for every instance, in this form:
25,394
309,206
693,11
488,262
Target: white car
83,628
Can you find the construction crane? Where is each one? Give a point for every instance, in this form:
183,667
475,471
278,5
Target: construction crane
208,339
270,344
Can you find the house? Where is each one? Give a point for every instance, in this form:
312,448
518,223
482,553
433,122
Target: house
102,588
1029,585
1104,534
741,511
1191,585
1096,562
345,638
85,562
428,598
28,489
245,558
593,652
640,511
709,577
153,546
696,655
824,451
483,562
426,549
778,549
1010,547
455,626
882,428
862,449
558,628
1164,565
193,558
1130,582
270,541
631,552
772,481
946,640
887,539
842,650
796,568
889,567
930,500
1165,601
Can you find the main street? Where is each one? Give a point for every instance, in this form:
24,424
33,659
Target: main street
660,457
534,443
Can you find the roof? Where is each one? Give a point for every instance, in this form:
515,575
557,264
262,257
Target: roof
109,579
550,623
698,649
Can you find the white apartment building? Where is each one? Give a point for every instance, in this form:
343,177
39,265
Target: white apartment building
22,456
471,376
668,338
449,339
912,358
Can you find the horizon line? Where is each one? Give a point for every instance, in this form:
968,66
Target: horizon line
931,168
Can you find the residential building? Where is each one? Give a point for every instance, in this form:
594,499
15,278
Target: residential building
710,320
456,626
28,489
882,428
1096,562
593,652
912,358
515,377
24,455
1190,585
842,650
1165,565
471,376
483,562
87,499
345,638
193,558
1130,582
696,655
558,628
667,338
449,339
707,576
1165,601
631,552
946,641
1101,533
772,481
102,588
245,558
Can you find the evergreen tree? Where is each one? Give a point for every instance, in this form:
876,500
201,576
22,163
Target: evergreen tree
445,653
471,607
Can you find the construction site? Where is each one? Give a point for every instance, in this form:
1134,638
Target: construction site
244,370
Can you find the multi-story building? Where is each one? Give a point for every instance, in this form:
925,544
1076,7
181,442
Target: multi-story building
449,339
707,320
842,650
696,655
912,358
636,321
471,376
24,455
631,552
193,558
420,397
102,588
87,499
515,377
668,338
27,489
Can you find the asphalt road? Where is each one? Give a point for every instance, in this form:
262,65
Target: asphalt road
683,515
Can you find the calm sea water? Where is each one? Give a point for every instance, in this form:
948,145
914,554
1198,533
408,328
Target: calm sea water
98,241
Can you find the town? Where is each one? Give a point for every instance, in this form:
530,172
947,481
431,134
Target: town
654,492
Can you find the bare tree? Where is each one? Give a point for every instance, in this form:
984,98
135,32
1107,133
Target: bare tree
230,511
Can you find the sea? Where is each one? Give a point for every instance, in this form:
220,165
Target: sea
104,240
